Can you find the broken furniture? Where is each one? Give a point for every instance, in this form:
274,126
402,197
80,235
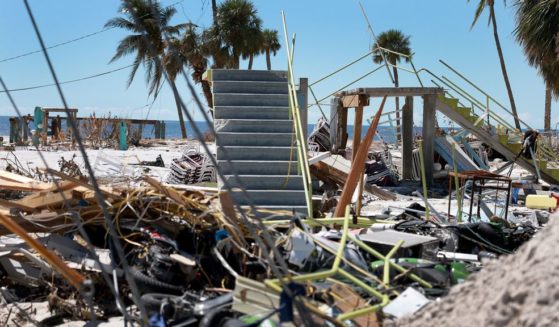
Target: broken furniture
480,180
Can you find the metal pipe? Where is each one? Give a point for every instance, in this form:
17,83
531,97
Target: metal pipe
386,272
423,181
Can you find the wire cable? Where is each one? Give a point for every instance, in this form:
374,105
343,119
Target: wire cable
98,195
71,41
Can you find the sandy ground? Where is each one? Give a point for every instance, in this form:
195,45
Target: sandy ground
105,162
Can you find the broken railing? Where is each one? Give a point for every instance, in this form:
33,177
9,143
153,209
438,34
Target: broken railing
302,159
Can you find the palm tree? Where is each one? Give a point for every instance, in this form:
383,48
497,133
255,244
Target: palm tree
253,46
188,50
493,21
270,45
393,40
149,23
236,23
537,28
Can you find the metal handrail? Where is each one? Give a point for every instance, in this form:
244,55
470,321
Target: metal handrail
301,142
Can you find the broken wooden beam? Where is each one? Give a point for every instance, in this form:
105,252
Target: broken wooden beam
358,164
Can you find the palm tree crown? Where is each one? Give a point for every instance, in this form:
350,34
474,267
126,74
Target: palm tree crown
393,40
537,28
150,24
236,25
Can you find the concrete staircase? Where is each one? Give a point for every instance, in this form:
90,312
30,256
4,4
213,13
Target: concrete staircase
255,139
507,143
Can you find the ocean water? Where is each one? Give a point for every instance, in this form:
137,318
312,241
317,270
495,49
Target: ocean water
172,129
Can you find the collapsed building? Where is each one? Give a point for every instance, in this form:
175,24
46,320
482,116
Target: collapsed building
274,225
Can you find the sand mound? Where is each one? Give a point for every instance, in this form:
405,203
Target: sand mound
517,290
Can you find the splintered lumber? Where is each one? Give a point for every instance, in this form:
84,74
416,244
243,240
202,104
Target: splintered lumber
171,193
6,175
82,183
13,204
38,201
348,300
27,187
331,170
358,164
73,277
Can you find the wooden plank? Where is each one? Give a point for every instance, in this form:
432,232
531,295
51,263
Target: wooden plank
55,261
336,175
355,100
12,204
358,164
393,91
16,186
74,180
15,177
349,300
171,193
49,200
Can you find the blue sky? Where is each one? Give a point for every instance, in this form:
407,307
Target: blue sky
329,35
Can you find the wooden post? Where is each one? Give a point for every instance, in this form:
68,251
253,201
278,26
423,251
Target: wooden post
407,139
335,107
358,164
429,129
45,126
303,100
357,126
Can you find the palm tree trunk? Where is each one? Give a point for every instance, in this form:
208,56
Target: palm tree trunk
179,109
214,9
250,60
207,89
503,66
236,61
397,100
268,61
547,114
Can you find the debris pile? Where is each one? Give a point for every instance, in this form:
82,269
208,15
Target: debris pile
514,290
193,167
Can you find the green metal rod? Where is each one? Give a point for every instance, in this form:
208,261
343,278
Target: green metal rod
458,196
342,68
317,103
302,144
423,181
346,86
376,41
415,71
386,273
482,91
396,266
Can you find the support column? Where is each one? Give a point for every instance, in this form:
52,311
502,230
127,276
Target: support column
429,127
357,125
303,99
335,111
407,139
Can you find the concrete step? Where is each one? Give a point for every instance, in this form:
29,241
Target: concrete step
250,87
266,182
254,139
269,197
275,212
248,75
251,112
244,167
247,99
254,125
261,153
